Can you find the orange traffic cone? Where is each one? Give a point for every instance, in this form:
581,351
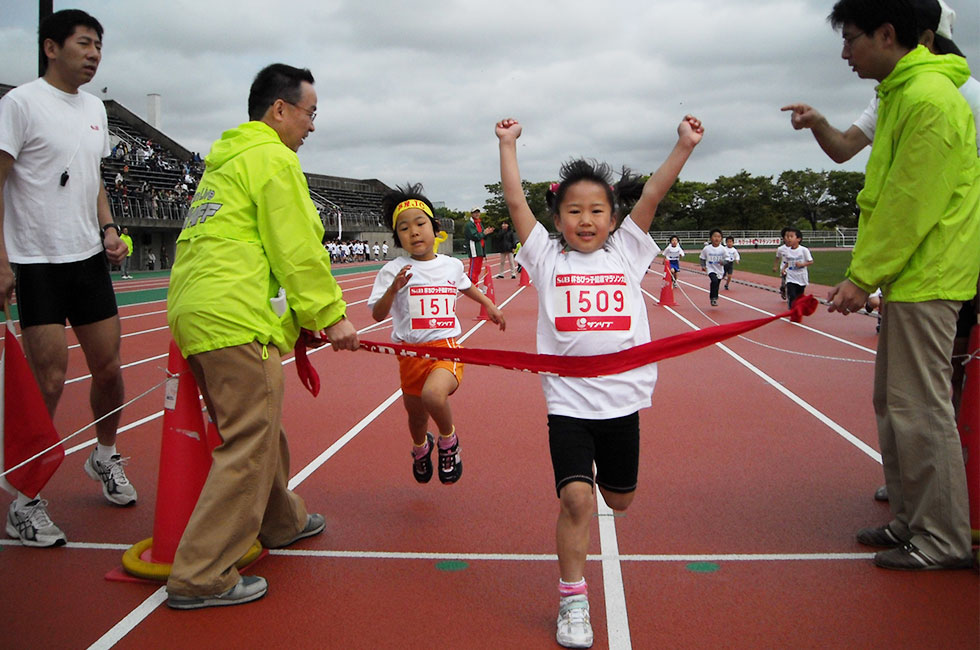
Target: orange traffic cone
488,283
185,460
525,278
969,426
667,291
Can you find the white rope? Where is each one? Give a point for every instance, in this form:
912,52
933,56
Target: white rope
772,347
83,429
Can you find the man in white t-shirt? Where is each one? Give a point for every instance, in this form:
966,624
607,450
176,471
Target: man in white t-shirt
58,241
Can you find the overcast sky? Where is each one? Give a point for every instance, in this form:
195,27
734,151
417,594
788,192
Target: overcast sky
410,91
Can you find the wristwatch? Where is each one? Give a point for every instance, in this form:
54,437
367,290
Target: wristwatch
111,225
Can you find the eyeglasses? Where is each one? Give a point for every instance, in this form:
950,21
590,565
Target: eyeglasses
849,40
312,114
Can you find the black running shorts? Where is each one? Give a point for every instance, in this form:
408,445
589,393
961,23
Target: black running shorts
613,445
77,292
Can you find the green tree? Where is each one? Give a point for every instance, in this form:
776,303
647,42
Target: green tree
843,188
742,202
804,195
683,207
496,207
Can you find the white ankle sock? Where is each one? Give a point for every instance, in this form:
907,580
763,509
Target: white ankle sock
104,453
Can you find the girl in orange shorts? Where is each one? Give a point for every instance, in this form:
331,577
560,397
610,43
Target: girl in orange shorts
419,290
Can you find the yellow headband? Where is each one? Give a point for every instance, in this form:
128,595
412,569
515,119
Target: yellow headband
408,205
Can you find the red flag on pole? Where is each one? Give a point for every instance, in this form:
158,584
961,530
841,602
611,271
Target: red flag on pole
26,429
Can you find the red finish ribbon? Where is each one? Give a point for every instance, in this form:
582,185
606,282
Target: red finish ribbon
595,366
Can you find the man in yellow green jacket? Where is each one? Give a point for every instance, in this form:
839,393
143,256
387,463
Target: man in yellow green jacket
917,239
126,239
251,235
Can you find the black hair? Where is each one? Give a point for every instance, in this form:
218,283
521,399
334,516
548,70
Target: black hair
782,233
869,15
59,26
621,196
715,230
797,232
730,237
401,193
276,81
673,237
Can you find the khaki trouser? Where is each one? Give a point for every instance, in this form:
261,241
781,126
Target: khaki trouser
245,496
920,446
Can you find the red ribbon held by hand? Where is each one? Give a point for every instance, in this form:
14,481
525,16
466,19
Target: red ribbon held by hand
307,373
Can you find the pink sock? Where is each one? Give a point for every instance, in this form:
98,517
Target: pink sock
566,589
419,452
445,442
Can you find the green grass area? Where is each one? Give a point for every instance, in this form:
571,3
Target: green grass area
827,269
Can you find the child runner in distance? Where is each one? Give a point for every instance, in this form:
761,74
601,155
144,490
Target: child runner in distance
589,302
731,259
795,260
673,253
777,264
419,289
712,261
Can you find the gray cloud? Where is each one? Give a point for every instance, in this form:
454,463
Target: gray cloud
410,91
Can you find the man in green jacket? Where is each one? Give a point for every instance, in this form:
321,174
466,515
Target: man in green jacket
917,240
475,235
251,231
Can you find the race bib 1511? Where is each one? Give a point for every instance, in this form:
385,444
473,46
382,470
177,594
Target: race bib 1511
432,308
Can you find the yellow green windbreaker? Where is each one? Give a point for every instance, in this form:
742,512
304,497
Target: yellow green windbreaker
251,229
919,229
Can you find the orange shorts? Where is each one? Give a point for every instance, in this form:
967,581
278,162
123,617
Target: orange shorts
413,371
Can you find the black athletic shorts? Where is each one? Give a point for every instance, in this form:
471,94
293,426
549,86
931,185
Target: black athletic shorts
729,267
613,445
77,292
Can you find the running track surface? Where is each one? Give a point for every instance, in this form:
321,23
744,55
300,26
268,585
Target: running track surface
757,466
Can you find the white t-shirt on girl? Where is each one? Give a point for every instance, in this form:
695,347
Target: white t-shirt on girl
424,310
589,304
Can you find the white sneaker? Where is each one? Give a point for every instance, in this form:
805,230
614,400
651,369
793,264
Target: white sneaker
32,526
115,486
574,626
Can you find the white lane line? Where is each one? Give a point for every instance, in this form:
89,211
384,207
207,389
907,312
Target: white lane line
126,336
128,365
134,618
617,619
799,401
512,557
767,313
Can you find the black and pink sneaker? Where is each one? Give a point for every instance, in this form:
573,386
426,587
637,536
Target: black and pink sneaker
450,465
422,462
